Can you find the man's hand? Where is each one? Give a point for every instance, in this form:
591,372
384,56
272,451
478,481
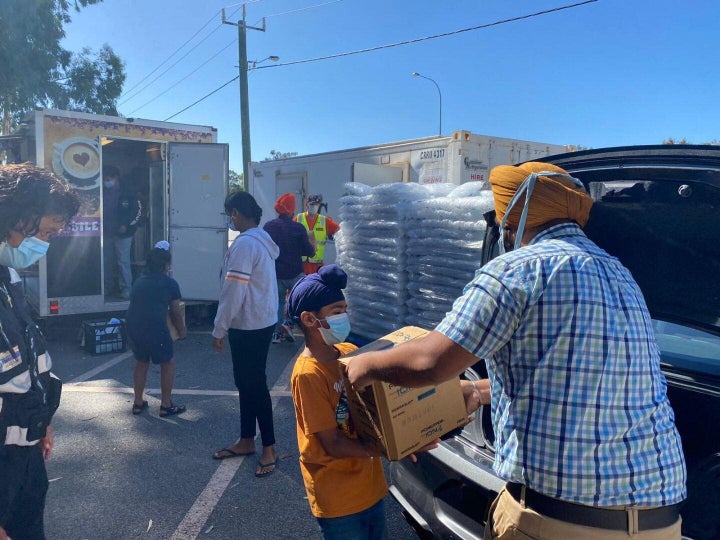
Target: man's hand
122,229
474,393
47,443
218,344
356,373
3,535
430,446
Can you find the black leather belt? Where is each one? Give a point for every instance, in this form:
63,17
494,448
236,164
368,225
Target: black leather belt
590,516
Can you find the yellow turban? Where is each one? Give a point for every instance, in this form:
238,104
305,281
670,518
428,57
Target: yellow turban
552,197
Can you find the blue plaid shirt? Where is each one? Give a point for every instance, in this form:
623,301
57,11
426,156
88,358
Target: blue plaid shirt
579,403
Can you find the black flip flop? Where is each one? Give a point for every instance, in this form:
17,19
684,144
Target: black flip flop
231,453
273,464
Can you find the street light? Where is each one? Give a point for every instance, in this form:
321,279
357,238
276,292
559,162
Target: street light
416,74
254,63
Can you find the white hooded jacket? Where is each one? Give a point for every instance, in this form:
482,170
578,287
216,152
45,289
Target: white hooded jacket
249,296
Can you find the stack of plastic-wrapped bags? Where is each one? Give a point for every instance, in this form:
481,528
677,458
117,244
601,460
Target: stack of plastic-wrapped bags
409,250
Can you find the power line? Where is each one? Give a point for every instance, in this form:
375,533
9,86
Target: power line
202,65
417,40
203,98
299,9
169,57
128,98
504,21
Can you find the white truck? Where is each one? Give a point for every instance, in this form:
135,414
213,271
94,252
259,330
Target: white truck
179,173
458,158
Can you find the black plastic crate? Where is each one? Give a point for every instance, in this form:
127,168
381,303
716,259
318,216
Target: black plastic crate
101,337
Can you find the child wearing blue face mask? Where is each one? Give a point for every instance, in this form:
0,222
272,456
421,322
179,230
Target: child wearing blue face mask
345,482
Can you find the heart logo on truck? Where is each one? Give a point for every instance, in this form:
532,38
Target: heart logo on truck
82,159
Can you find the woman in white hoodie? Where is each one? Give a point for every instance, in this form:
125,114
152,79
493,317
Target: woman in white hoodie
247,314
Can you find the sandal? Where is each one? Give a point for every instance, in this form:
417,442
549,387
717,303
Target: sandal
137,409
172,409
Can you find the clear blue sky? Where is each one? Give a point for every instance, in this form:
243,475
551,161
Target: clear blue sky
610,73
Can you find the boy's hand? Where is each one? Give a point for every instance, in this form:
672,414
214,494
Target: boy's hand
47,443
3,535
430,446
218,344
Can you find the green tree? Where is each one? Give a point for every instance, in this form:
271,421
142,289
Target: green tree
671,140
275,155
235,181
38,71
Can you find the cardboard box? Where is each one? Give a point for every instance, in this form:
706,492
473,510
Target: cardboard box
173,331
398,421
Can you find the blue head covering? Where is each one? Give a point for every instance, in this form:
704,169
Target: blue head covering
316,291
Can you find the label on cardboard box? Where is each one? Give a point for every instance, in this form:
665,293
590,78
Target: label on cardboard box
397,420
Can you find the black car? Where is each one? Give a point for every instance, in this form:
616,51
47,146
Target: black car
657,208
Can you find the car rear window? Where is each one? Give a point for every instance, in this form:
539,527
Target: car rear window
687,348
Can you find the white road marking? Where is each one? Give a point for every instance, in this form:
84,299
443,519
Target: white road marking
191,525
81,388
102,367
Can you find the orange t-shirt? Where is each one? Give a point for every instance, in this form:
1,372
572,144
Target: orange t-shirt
335,487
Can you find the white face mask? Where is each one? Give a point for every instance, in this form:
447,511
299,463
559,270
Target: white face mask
30,251
339,328
313,208
109,184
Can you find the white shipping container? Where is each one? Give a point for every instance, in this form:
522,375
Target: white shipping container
459,158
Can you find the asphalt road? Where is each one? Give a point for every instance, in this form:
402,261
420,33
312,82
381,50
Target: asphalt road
115,475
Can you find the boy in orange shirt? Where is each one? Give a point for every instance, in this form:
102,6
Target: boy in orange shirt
345,482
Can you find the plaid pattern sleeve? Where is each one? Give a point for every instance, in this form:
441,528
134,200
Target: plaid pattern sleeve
579,402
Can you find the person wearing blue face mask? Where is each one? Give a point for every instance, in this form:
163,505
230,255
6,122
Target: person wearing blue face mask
246,315
34,206
344,480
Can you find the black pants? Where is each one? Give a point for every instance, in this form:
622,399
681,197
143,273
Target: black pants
23,485
249,350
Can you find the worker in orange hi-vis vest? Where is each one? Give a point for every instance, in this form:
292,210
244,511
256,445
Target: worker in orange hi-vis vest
319,228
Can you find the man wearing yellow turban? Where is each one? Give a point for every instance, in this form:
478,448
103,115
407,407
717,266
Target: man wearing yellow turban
585,435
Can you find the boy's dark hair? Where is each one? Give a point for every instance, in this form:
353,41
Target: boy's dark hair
244,203
27,194
157,259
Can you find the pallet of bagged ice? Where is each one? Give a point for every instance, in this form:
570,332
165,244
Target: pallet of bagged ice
444,249
371,249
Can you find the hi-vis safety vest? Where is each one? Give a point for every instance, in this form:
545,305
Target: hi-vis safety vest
320,232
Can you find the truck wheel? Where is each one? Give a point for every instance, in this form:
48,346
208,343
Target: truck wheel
701,511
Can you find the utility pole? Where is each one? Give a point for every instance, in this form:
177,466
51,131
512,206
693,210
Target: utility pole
243,77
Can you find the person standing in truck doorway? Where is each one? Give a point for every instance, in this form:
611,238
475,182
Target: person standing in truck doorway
122,212
319,228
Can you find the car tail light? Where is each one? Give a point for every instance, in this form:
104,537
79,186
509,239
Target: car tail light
54,307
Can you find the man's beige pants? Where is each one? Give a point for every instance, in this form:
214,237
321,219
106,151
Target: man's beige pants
509,520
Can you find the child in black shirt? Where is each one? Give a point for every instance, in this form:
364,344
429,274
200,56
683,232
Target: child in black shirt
151,296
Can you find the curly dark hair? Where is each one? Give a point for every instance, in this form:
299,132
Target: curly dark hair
27,193
157,258
244,203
